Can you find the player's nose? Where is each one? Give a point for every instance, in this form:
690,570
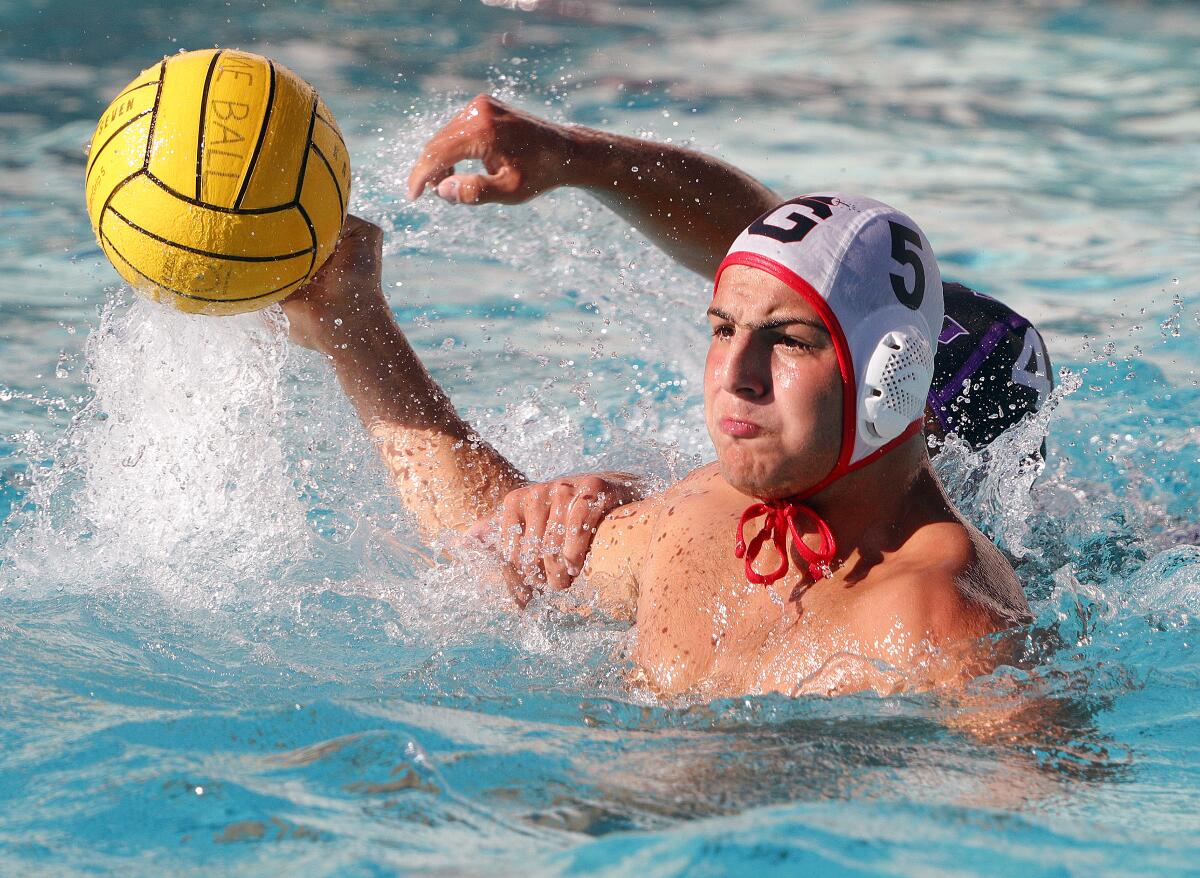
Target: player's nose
747,367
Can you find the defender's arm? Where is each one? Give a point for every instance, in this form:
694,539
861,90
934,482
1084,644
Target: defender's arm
690,204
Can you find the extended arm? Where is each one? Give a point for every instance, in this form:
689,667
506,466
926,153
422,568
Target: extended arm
445,474
690,204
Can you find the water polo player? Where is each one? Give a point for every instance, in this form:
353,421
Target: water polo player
991,364
819,552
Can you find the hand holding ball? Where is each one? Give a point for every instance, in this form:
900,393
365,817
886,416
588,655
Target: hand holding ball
217,181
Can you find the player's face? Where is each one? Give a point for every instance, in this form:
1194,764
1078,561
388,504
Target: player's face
772,389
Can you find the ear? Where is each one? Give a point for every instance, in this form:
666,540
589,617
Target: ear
895,384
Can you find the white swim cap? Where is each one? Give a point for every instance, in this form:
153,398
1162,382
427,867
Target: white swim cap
870,273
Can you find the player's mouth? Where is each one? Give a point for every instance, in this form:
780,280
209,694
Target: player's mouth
739,428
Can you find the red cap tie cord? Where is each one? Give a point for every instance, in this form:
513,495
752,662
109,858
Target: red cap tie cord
869,273
781,521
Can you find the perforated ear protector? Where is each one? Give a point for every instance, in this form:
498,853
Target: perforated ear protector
894,385
892,375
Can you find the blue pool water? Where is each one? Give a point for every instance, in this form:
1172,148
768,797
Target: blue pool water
224,651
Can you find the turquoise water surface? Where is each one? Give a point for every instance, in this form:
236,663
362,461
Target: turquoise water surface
224,651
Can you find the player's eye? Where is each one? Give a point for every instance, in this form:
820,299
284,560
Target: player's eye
723,331
790,342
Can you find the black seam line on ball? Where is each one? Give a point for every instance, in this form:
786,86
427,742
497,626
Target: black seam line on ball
162,80
312,121
333,177
111,195
130,91
237,211
312,233
334,129
262,136
209,253
193,296
212,66
95,155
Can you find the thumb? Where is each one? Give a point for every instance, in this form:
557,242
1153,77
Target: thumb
484,531
501,186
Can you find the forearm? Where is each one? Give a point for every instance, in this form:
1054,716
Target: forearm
445,474
689,204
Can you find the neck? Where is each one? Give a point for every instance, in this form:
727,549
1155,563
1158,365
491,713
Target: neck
864,513
885,501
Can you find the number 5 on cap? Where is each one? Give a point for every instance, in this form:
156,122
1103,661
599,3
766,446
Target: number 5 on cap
902,236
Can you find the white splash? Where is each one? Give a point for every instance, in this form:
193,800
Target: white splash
173,469
992,487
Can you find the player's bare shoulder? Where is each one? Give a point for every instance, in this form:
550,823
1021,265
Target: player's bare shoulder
984,577
624,539
950,583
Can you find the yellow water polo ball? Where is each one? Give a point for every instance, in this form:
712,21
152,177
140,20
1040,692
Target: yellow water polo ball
217,181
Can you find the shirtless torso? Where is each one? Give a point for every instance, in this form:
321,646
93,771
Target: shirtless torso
667,563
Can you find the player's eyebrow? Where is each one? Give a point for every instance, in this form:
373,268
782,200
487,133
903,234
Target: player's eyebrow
770,324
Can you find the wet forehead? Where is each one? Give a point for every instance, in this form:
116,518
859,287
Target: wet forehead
750,295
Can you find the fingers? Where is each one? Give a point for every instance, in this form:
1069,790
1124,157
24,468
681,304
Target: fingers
547,530
356,225
439,156
360,245
536,512
436,178
532,526
437,163
524,524
357,229
512,529
466,136
521,592
358,253
553,566
587,510
475,133
490,533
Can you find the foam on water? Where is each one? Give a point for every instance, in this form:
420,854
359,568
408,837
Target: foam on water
993,487
173,471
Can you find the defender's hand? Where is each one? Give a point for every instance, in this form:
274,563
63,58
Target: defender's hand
545,531
523,155
344,301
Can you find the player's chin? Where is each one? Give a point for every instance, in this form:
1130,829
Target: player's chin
751,472
767,472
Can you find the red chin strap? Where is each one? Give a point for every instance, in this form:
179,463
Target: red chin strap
781,521
781,517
